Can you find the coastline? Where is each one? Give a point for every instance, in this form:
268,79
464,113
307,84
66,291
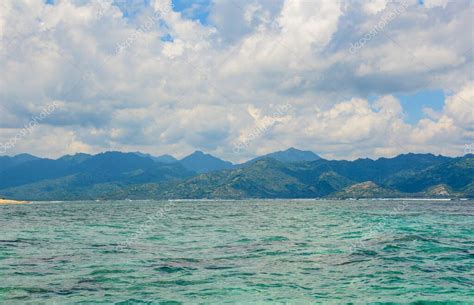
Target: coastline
8,201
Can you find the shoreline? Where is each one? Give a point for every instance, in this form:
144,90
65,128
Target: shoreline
8,201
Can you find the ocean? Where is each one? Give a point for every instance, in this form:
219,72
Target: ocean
237,252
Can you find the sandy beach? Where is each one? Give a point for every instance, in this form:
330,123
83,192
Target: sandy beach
8,201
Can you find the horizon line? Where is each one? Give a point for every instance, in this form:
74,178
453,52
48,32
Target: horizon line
233,163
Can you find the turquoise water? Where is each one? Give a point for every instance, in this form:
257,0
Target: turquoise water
237,252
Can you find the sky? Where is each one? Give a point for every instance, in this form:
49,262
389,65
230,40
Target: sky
346,79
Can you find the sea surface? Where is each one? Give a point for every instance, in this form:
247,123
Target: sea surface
237,252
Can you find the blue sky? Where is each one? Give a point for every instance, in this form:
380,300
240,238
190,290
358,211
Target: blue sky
413,103
194,10
214,75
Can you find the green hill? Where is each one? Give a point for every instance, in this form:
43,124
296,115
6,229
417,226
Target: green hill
117,175
366,189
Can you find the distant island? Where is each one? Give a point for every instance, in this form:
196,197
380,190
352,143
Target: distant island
291,173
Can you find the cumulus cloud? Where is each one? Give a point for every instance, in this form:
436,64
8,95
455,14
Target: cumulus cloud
160,82
374,6
460,107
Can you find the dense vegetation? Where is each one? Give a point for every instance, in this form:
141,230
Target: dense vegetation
289,174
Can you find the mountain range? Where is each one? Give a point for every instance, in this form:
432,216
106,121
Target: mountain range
291,173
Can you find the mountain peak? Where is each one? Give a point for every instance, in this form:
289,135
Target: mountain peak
290,155
24,155
77,157
199,153
201,162
166,159
7,161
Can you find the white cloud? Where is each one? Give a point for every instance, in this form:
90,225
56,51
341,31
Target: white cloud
435,3
460,107
208,86
374,6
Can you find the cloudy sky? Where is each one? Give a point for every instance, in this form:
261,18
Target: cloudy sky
237,78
